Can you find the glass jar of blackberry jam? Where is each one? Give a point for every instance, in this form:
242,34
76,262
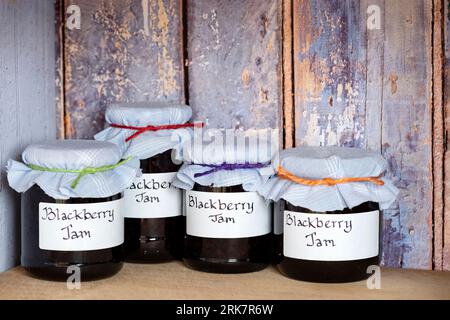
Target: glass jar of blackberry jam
47,251
154,225
228,230
332,247
330,201
153,132
71,207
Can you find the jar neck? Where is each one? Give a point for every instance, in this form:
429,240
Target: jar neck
363,207
236,188
160,163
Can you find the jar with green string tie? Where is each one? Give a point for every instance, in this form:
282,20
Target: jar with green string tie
71,204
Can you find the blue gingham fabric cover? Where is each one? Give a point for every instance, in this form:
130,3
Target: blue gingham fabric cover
330,162
142,114
72,155
201,151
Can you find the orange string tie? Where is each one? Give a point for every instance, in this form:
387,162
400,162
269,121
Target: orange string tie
284,174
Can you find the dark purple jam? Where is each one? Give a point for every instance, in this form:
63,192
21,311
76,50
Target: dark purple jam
53,265
326,271
154,240
223,255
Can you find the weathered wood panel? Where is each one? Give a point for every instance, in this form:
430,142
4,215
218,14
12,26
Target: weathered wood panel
235,61
330,70
59,76
27,100
372,88
288,76
446,104
407,131
374,71
438,133
125,50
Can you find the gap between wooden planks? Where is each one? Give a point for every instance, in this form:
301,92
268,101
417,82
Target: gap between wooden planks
438,136
174,281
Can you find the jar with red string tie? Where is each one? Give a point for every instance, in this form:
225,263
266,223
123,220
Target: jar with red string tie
154,133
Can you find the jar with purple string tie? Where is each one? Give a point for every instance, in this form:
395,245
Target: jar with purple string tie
228,225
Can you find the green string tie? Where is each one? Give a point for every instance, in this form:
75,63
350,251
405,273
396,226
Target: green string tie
81,172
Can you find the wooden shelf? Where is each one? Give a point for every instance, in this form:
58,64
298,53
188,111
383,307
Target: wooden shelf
173,281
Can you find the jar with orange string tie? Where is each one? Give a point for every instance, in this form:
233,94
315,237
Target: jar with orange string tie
329,218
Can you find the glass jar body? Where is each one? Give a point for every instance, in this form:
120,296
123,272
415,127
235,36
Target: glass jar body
150,239
227,255
337,270
54,264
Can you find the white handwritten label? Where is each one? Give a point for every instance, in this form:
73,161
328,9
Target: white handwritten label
152,195
81,226
331,237
227,215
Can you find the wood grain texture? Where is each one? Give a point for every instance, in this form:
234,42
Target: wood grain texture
59,75
173,281
374,61
126,50
373,88
446,103
27,100
407,132
330,74
438,133
235,61
288,76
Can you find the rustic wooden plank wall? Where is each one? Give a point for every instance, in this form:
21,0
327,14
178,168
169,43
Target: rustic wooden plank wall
438,134
129,50
133,51
372,87
407,131
234,62
445,227
27,100
329,73
346,72
288,76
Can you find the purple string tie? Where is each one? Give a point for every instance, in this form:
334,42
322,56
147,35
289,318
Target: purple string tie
228,167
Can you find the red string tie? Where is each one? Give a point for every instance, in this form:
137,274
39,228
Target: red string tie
141,130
